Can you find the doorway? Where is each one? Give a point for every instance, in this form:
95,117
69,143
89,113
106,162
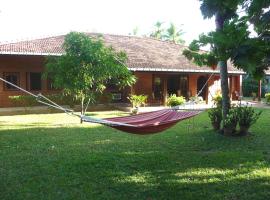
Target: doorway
200,84
178,85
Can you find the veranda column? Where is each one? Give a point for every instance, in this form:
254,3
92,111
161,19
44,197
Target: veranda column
260,90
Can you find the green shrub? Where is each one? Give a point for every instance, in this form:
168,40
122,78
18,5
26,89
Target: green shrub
173,100
28,101
196,99
232,119
267,98
215,115
247,116
23,100
138,100
217,99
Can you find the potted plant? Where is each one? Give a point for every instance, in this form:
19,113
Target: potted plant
267,98
254,96
215,115
230,123
173,100
247,117
137,101
217,100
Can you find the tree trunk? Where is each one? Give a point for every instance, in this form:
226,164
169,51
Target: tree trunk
224,87
223,71
260,90
82,108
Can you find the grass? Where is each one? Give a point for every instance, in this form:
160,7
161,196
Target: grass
54,157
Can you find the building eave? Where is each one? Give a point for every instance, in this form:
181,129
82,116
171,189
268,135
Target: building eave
142,69
29,53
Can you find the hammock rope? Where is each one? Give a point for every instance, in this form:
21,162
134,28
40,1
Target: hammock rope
144,123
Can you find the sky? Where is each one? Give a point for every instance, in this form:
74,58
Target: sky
29,19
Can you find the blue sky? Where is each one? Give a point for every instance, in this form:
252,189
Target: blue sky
29,19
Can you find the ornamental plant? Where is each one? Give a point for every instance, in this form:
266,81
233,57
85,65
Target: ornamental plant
267,98
173,100
230,122
217,99
247,116
138,100
215,115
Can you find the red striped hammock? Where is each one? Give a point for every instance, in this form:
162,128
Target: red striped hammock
145,123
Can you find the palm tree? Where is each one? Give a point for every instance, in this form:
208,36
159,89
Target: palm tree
173,34
158,32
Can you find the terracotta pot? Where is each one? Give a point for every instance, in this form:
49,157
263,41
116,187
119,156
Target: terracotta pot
228,131
135,110
216,125
244,130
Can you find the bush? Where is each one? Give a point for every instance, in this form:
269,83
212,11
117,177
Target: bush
231,121
247,116
173,100
28,101
23,100
217,99
267,98
215,115
138,100
196,99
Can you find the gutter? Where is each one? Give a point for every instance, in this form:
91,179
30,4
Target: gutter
181,70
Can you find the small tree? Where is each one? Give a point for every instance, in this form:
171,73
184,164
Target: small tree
86,67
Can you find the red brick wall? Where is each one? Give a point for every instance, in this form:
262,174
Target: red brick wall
26,64
23,65
143,84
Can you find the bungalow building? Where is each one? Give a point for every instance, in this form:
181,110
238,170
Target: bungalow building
159,66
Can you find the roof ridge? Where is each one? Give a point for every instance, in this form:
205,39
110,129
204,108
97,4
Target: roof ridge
94,33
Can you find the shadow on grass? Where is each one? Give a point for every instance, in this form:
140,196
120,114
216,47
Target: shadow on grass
102,163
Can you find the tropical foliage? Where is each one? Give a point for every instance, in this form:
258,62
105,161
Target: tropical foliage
267,98
174,100
87,67
232,41
158,31
172,33
138,100
247,116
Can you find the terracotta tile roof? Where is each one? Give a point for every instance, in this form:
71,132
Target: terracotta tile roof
144,54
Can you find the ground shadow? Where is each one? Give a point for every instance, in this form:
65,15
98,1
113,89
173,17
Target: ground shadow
102,163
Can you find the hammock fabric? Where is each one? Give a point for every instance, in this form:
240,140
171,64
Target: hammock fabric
145,123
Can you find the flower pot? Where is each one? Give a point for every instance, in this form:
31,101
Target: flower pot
227,131
216,125
243,130
135,110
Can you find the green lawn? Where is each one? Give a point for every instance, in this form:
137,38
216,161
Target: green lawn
54,157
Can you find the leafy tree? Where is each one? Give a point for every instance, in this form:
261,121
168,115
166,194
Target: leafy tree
174,35
259,15
86,67
220,40
158,33
231,41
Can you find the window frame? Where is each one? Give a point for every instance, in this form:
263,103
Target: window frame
29,80
5,74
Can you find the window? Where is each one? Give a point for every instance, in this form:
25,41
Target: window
13,77
116,96
34,81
